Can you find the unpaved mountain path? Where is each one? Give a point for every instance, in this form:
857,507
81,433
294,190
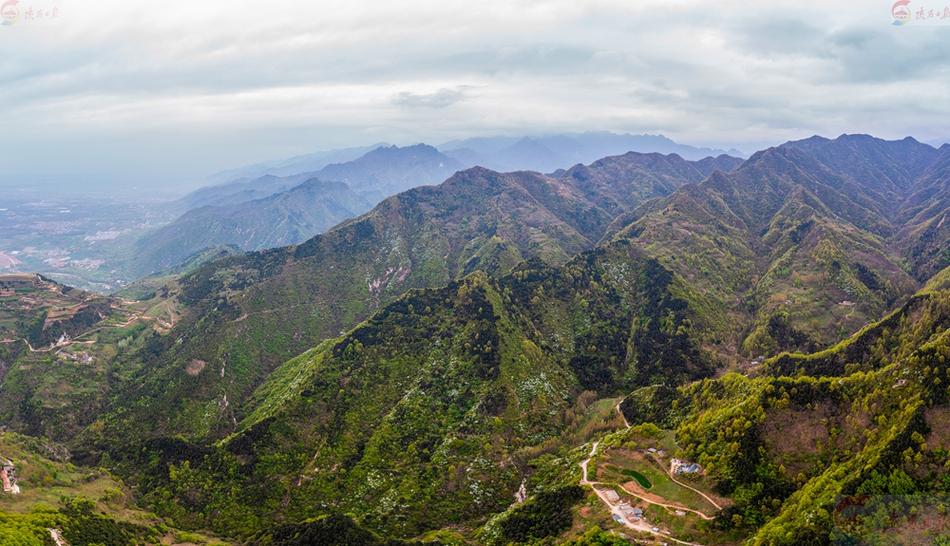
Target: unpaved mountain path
57,537
585,462
670,506
640,526
622,416
672,477
704,495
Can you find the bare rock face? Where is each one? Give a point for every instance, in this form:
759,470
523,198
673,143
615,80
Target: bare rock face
8,477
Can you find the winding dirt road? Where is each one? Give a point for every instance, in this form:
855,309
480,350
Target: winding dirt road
665,505
681,484
672,477
618,516
622,416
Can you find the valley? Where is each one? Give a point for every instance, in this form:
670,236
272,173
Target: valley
618,347
79,240
533,273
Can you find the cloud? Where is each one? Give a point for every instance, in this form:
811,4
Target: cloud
439,99
175,90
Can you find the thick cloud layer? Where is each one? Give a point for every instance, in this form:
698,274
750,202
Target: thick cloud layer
165,91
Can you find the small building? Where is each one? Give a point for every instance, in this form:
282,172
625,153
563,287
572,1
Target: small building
651,450
632,513
611,495
678,466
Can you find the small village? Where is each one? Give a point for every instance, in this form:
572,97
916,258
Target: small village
76,316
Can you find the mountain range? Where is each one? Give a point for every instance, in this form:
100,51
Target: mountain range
305,163
546,153
494,359
233,209
272,211
255,311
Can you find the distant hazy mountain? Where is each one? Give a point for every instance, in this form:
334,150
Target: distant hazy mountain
241,190
294,165
271,211
377,174
547,153
389,170
281,219
380,171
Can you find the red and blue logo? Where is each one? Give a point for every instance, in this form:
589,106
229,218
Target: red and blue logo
901,12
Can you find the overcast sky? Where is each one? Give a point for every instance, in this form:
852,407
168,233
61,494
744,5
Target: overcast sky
170,91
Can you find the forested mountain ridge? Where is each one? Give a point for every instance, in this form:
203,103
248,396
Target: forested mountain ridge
247,314
446,385
796,249
550,338
841,445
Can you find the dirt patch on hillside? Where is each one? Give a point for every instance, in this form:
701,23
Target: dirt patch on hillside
938,419
195,367
794,436
920,528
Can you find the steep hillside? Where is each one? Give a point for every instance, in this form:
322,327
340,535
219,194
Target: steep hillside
285,218
426,414
79,506
792,249
923,217
249,314
62,350
855,455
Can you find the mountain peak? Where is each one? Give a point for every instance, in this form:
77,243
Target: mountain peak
413,148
